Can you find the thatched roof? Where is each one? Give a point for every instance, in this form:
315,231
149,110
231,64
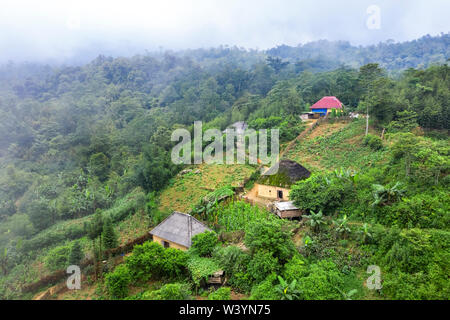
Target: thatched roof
285,173
179,227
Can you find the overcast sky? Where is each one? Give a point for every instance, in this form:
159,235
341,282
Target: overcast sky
59,30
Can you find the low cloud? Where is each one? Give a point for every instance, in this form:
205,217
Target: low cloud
64,30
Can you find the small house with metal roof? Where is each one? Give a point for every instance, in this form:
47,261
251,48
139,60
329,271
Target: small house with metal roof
286,209
177,230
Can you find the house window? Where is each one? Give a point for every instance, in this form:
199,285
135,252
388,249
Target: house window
166,244
280,194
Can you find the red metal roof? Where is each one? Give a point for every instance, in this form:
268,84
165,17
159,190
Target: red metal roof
327,103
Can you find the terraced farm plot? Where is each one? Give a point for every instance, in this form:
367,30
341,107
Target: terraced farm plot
188,189
334,145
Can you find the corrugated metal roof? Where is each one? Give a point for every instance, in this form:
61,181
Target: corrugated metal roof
175,228
327,103
285,205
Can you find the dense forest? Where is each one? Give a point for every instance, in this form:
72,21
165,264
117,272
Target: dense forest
83,148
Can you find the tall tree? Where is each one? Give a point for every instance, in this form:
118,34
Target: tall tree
369,74
109,236
76,254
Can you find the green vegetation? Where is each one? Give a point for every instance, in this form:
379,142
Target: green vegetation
238,215
223,293
203,244
85,168
171,291
117,282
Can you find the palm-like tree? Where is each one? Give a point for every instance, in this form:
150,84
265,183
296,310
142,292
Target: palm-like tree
347,174
287,290
364,233
385,195
342,226
348,295
316,220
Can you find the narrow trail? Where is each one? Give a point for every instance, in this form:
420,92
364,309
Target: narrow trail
311,126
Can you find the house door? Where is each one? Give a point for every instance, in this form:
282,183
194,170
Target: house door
280,194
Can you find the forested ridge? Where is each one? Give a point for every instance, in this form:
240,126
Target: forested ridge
86,149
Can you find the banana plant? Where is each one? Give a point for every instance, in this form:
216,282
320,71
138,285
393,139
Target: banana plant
316,220
364,233
385,196
347,174
287,290
342,226
348,295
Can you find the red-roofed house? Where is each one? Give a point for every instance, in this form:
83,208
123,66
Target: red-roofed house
326,105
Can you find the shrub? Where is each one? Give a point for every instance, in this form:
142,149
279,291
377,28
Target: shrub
373,142
57,258
204,243
231,258
117,282
234,262
223,293
265,290
127,205
421,210
262,264
171,291
174,263
41,214
323,282
410,252
270,236
321,191
432,284
242,281
295,268
151,259
53,235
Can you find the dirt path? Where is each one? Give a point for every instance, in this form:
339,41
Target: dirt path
311,125
252,198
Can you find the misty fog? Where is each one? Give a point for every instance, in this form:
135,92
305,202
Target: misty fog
77,31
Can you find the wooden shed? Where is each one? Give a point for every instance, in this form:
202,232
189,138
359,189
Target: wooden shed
217,278
177,230
286,209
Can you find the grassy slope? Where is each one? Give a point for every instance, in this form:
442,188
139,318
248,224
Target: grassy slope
334,145
188,189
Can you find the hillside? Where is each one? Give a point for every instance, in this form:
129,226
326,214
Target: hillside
334,145
188,189
85,166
